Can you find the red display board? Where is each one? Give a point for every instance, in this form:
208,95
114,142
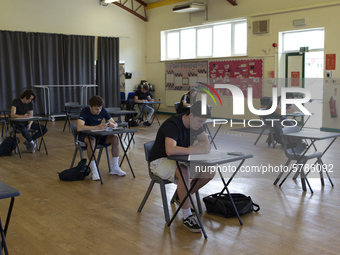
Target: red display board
242,73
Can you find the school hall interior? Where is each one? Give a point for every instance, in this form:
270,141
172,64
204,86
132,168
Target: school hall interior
86,217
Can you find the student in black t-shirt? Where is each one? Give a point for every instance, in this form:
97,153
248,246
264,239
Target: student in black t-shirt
176,136
141,96
185,101
91,118
23,108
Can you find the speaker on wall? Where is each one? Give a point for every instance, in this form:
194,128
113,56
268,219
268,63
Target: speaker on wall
128,75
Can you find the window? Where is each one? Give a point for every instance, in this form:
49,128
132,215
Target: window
314,39
225,39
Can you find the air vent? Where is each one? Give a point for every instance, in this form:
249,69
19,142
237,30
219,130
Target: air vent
193,7
261,26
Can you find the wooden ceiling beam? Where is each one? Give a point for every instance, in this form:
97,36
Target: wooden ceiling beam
232,2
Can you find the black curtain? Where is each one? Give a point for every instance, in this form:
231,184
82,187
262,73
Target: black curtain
15,72
28,59
78,59
108,71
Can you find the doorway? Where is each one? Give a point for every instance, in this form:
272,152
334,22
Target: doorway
306,69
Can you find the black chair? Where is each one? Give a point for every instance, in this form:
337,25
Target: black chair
72,111
83,147
162,183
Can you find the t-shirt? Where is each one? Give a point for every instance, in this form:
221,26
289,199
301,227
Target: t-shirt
142,96
91,119
22,108
173,128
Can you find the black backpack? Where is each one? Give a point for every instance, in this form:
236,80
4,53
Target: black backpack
243,203
7,146
77,173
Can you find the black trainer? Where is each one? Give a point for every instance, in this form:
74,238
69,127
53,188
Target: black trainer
192,224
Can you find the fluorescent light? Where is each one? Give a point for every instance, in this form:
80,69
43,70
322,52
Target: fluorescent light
110,1
193,7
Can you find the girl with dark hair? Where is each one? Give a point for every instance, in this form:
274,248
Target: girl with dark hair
187,100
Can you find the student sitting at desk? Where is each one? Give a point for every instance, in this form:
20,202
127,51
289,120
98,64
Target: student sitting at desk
142,96
90,118
176,137
277,127
23,108
185,101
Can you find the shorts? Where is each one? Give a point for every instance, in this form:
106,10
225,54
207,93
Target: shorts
166,169
81,139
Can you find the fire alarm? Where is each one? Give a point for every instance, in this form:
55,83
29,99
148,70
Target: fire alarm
274,45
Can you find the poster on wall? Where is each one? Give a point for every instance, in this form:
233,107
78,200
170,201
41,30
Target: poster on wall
180,76
243,73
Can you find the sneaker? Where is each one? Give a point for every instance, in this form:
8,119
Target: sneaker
192,224
95,175
26,144
147,123
116,170
30,147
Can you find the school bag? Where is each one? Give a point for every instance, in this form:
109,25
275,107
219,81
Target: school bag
76,173
243,203
7,146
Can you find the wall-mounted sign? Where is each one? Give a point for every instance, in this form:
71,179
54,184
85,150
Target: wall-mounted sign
330,61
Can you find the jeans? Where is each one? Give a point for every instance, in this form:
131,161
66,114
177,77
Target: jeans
35,126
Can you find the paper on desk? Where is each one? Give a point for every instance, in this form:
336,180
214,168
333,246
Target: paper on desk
106,129
210,156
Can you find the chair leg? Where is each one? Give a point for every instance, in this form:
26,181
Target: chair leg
108,158
165,202
65,123
282,172
74,157
258,138
146,196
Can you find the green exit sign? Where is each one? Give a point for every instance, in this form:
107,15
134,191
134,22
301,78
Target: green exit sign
304,49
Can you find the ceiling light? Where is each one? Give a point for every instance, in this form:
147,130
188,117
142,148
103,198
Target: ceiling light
193,7
106,2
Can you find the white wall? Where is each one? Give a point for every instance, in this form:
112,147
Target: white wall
281,15
81,17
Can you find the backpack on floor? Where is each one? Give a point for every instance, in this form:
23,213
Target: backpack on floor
77,173
223,206
7,146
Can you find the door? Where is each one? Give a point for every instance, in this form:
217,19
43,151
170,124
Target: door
305,70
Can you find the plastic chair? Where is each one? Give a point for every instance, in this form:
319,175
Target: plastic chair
122,100
162,183
81,148
72,110
296,149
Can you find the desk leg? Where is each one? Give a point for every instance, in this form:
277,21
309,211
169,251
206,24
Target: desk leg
125,152
94,156
42,135
155,115
191,201
225,188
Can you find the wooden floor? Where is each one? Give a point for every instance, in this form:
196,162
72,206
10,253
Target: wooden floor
85,217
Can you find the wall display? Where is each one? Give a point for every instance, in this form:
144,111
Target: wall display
180,76
122,76
243,73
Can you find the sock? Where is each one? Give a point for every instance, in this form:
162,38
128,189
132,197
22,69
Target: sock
115,161
93,166
186,213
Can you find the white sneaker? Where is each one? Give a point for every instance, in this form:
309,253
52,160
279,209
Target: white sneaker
95,175
116,170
